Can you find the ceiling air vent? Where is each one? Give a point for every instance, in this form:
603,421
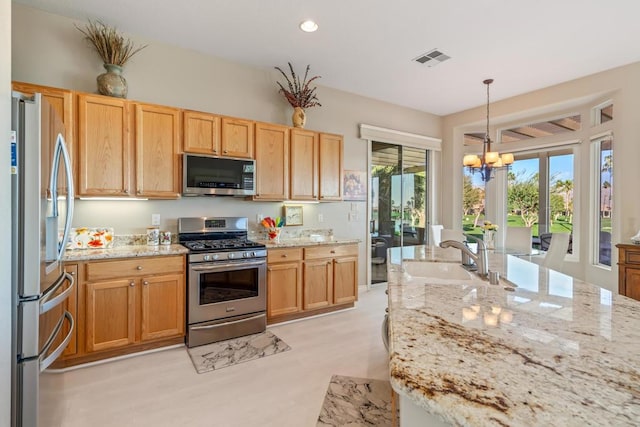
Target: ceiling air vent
432,58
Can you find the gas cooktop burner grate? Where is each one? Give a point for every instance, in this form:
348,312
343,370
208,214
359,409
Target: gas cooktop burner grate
222,244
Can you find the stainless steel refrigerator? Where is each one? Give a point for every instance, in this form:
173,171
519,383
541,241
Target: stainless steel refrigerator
41,215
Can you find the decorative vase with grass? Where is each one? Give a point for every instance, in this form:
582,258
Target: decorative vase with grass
299,94
115,51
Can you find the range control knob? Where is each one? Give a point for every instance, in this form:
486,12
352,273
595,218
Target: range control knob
215,256
231,255
207,257
253,254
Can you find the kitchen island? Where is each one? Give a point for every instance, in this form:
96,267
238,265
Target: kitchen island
539,348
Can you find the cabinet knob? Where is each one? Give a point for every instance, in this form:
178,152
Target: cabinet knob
73,273
225,151
333,252
145,283
132,284
139,267
284,255
328,262
126,191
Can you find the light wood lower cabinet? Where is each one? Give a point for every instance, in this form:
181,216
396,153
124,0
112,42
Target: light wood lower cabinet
329,280
126,305
629,270
110,315
284,282
71,305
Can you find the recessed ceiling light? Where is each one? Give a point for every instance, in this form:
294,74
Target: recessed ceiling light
308,26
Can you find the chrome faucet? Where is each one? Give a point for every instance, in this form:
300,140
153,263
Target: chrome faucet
467,254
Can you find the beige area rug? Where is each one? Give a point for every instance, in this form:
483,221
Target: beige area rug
355,402
222,354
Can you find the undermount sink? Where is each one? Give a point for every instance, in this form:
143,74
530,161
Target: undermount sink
437,270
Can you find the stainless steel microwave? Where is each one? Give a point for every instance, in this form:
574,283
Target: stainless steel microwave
216,176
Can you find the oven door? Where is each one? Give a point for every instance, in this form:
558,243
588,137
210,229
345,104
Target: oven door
224,289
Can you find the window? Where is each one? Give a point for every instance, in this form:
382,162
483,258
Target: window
472,203
557,126
603,113
540,194
604,200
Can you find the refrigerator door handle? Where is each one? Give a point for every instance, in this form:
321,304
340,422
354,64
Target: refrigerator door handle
61,149
47,361
47,302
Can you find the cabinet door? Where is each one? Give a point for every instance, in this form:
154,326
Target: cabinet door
345,280
284,288
104,147
272,162
632,282
201,133
62,102
163,306
71,305
157,151
330,167
303,165
110,314
318,286
237,138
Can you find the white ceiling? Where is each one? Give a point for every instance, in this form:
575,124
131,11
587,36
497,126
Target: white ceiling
367,46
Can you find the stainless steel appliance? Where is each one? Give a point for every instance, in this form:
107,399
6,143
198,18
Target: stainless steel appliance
227,279
215,176
41,194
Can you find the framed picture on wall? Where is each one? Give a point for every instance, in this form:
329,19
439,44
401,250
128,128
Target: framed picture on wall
292,215
355,185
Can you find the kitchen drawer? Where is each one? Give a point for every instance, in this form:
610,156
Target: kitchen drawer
633,257
332,251
281,255
101,270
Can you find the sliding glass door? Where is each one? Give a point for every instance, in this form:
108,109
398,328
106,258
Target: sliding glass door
399,201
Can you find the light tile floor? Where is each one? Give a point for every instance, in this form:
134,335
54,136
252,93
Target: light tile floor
287,389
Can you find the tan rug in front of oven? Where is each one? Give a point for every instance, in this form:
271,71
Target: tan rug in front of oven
222,354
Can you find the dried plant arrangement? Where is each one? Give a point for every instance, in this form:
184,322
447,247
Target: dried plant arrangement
299,94
110,45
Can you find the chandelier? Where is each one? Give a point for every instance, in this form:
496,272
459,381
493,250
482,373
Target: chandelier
490,160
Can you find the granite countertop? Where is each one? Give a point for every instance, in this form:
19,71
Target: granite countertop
293,243
552,351
127,251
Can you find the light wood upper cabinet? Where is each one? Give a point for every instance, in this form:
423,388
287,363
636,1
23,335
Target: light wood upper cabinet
62,102
303,165
104,146
157,151
237,138
201,133
272,162
330,167
110,314
163,306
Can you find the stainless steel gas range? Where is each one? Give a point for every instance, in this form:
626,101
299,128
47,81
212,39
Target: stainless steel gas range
226,279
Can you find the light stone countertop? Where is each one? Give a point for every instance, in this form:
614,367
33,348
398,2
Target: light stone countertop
294,243
127,251
553,351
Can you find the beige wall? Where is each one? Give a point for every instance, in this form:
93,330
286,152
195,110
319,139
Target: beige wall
622,85
5,227
49,50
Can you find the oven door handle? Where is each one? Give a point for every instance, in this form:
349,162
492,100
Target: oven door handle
217,325
242,264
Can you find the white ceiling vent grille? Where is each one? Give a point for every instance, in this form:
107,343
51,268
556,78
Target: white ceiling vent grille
432,58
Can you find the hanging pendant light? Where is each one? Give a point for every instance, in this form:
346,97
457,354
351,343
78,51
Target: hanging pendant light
490,160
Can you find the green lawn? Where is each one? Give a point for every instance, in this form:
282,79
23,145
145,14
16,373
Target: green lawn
559,226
